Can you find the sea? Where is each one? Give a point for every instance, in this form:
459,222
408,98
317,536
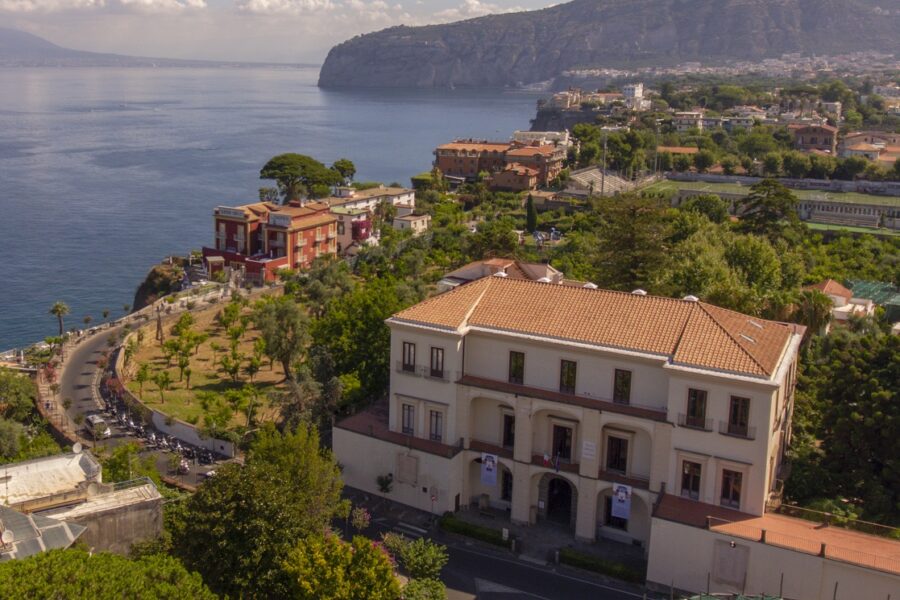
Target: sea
106,171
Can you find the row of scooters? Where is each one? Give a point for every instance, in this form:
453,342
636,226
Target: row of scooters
160,441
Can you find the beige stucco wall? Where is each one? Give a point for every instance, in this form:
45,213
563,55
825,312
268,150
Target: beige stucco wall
715,451
806,577
364,458
488,356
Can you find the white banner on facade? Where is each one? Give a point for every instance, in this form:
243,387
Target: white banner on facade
489,469
621,501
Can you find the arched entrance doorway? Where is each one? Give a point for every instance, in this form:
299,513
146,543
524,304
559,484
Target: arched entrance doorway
559,501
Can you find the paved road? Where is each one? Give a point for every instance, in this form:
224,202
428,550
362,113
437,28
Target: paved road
474,571
75,382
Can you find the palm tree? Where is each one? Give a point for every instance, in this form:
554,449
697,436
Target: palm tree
59,310
814,311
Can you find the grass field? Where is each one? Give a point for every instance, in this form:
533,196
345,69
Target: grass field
207,375
736,188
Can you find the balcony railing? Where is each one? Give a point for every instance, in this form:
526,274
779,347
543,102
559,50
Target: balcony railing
426,371
320,237
734,430
694,422
585,399
300,243
331,235
407,369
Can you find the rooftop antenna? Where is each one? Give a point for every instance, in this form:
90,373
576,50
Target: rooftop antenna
77,448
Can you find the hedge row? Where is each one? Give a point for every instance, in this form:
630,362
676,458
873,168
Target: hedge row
573,558
485,534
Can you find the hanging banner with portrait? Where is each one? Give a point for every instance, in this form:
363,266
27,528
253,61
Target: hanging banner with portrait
489,469
621,501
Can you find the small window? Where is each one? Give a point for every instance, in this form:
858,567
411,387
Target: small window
690,480
622,387
436,426
562,442
739,416
509,430
696,409
437,362
731,488
340,228
516,367
409,419
409,357
567,375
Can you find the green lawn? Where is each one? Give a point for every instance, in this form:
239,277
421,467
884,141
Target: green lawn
827,227
736,188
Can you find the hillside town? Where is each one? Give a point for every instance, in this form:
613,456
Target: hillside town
651,353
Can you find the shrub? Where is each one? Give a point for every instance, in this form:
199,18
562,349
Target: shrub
425,589
573,558
423,559
485,534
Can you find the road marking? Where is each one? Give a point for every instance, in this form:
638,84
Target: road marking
483,586
557,573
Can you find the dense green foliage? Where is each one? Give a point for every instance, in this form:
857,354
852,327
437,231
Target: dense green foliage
298,175
846,446
23,433
327,567
485,534
78,575
241,524
571,557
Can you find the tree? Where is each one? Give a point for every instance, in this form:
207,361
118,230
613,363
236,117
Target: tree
767,208
847,443
821,167
354,336
813,309
241,525
703,160
142,376
11,434
17,394
772,164
78,575
162,380
423,559
297,174
633,241
326,567
425,589
345,167
59,310
795,164
682,162
729,164
530,215
851,167
285,329
711,205
125,463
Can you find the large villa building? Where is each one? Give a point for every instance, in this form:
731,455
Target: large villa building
263,238
622,416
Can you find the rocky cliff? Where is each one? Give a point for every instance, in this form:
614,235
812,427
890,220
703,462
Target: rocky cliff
528,47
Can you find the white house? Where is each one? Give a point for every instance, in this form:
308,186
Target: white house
557,402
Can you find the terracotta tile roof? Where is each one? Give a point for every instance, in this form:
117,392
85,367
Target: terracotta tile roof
689,333
864,147
546,149
831,287
787,532
678,149
476,146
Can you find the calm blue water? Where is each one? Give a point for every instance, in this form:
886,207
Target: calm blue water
103,172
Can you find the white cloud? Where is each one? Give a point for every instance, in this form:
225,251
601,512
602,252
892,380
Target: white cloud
469,9
49,6
294,7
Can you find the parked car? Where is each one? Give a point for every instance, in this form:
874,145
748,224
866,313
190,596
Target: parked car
97,427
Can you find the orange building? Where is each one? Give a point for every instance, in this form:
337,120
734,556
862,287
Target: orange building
816,137
515,178
468,158
262,238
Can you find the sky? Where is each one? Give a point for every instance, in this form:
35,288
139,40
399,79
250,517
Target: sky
241,30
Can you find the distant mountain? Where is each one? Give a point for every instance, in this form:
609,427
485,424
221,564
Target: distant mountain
529,47
22,49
